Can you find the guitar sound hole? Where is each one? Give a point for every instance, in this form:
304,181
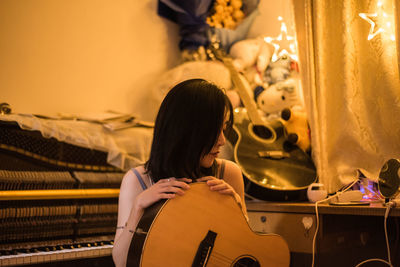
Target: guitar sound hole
262,131
246,261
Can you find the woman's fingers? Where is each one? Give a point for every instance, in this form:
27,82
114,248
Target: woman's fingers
173,189
186,180
181,182
215,182
227,191
177,184
166,196
167,180
205,178
220,187
163,189
173,180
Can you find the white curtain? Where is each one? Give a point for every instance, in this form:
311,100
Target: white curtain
351,85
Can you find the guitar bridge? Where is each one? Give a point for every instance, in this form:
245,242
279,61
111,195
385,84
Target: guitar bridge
204,250
275,154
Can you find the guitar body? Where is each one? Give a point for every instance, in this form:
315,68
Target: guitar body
269,178
175,229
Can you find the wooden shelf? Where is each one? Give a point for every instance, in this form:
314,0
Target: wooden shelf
374,209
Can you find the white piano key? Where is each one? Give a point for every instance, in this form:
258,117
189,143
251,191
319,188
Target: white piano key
40,258
27,258
6,262
53,256
47,257
59,255
20,260
34,258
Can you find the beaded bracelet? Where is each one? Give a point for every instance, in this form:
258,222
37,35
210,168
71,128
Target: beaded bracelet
123,227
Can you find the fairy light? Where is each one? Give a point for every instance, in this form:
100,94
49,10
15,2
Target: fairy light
384,27
283,44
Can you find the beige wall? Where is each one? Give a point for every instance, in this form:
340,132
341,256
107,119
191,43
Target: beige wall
76,56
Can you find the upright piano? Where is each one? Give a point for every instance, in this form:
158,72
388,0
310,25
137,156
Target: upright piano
58,202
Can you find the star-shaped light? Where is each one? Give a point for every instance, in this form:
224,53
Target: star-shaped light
383,19
283,44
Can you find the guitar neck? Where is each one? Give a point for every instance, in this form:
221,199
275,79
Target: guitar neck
249,104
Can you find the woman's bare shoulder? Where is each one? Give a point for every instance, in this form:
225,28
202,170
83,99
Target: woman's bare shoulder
131,181
231,169
229,164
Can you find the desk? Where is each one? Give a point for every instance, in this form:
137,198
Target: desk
347,234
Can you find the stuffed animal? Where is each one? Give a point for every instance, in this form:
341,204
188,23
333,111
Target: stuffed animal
251,57
273,99
296,128
279,70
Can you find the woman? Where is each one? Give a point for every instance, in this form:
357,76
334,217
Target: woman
188,136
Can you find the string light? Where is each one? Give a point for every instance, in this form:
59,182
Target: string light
283,44
379,16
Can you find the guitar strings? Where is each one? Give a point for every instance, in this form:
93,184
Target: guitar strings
215,258
215,253
218,263
220,258
224,259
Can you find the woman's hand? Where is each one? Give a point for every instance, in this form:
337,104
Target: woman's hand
163,189
220,186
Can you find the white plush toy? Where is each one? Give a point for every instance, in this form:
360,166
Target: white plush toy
251,56
284,94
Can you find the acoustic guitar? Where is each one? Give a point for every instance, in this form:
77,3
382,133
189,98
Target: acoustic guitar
202,228
273,168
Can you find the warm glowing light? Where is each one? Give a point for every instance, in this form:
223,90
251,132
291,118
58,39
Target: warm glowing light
382,19
283,44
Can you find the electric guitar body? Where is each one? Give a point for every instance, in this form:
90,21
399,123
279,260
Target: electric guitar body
202,228
273,169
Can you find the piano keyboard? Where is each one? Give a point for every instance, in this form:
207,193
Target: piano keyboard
57,218
58,255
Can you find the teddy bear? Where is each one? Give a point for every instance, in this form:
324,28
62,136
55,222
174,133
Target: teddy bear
296,128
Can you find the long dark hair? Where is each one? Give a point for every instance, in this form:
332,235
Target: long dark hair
187,126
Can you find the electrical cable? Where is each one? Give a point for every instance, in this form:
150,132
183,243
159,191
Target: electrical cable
317,217
396,242
386,234
389,262
361,263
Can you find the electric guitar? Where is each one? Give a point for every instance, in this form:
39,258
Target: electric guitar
273,169
202,228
